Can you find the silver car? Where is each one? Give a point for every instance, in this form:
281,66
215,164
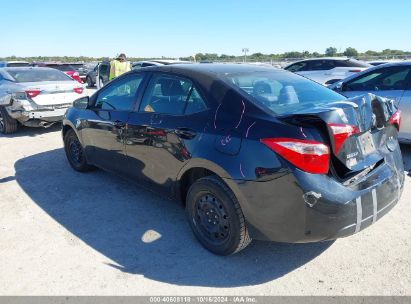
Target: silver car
391,80
35,97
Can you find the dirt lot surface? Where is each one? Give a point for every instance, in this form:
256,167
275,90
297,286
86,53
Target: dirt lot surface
67,233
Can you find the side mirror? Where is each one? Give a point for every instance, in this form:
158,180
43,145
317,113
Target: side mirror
81,103
338,87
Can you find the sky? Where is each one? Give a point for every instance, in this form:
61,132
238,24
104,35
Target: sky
180,28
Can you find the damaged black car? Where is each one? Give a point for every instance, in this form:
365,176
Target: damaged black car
251,152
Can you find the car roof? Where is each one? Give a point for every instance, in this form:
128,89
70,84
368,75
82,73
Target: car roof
326,58
14,61
212,69
26,68
161,61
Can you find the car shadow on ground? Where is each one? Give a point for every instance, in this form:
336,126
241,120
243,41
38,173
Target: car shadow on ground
32,132
143,233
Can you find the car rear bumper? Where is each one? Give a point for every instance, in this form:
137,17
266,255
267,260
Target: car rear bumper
277,210
48,115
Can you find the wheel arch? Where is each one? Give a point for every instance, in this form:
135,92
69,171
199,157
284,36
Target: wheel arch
194,170
68,125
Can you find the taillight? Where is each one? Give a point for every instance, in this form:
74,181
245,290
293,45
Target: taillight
32,93
308,155
355,71
395,119
340,133
78,90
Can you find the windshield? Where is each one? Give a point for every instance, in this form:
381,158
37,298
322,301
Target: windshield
282,92
37,75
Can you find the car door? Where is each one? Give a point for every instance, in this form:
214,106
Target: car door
389,82
103,73
104,132
405,106
162,132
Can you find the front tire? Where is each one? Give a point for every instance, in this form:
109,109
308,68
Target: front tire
215,216
8,124
75,152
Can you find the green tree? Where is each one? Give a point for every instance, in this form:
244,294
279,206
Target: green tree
351,52
331,51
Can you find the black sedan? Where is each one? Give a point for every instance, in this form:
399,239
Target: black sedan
251,152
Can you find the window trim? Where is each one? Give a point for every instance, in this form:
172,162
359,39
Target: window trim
168,74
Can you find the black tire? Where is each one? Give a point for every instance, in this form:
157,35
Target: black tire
215,216
8,124
89,82
75,152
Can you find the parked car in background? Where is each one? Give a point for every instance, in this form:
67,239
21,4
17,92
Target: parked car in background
67,68
34,97
391,80
156,62
81,69
252,152
14,64
327,70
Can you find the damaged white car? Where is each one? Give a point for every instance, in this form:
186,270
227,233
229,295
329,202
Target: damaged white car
35,97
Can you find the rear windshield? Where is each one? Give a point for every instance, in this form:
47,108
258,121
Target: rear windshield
38,75
18,64
283,92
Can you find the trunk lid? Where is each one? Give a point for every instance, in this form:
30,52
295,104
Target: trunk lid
358,130
54,92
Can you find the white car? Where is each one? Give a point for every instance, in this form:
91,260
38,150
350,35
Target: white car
156,62
35,97
327,70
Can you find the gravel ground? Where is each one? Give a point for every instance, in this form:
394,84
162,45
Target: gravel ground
67,233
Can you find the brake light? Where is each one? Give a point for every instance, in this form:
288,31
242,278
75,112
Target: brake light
32,93
340,133
355,71
395,119
78,90
308,155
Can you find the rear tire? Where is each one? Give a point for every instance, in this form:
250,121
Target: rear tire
215,216
8,124
75,152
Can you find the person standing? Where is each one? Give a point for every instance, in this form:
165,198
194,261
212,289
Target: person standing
119,66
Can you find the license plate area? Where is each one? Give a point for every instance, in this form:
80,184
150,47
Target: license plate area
366,143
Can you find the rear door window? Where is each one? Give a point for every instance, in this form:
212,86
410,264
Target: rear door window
173,95
321,65
298,67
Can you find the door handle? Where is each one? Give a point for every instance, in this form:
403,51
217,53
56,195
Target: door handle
119,124
185,133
